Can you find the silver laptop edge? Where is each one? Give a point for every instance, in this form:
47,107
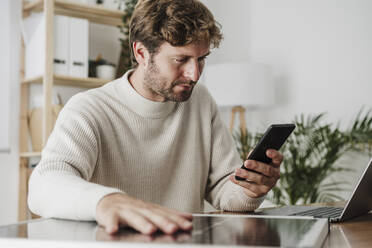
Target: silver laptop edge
361,187
360,201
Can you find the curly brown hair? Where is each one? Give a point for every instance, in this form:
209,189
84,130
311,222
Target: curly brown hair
178,22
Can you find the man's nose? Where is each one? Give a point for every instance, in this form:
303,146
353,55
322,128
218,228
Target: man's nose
193,71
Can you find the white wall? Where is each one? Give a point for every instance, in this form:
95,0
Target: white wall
10,10
234,18
4,85
319,50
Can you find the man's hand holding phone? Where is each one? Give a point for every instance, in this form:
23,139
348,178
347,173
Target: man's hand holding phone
258,177
260,172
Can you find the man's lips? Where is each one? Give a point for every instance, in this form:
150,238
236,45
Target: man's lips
185,86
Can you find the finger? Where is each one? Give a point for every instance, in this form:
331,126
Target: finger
275,156
137,221
181,221
251,189
262,168
110,223
253,177
160,220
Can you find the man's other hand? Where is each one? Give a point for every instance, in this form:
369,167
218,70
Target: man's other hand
260,178
117,209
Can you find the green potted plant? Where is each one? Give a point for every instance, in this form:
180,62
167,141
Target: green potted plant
311,155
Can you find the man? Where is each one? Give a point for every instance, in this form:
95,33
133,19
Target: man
146,149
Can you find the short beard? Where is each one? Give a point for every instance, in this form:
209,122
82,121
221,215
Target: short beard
154,83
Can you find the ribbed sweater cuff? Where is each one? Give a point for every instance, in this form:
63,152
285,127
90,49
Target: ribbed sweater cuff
94,195
239,201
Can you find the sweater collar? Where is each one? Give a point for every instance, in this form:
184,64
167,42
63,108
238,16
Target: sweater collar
139,104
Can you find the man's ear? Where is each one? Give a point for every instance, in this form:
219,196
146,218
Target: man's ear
140,53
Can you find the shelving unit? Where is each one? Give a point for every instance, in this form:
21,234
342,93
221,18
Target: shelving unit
69,81
94,14
91,13
30,154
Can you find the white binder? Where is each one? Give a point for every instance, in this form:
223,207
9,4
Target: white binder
71,44
79,49
61,45
78,52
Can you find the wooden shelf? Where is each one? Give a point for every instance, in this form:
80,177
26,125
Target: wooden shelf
70,81
48,79
92,13
30,154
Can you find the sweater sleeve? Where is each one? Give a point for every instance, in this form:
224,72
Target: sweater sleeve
221,192
59,186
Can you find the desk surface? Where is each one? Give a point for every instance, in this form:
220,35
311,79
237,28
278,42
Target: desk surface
209,230
356,232
353,233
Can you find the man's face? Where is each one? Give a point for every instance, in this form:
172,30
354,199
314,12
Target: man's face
171,73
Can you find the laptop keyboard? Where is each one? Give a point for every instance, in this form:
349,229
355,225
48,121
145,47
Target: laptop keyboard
322,212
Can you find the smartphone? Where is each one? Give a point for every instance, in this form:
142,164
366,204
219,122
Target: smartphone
273,138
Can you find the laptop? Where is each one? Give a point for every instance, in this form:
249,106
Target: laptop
359,203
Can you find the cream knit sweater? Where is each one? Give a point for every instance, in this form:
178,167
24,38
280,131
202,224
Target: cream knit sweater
111,139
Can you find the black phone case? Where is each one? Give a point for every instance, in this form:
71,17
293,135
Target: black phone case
273,138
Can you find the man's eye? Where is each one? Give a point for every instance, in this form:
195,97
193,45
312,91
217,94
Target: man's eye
181,60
